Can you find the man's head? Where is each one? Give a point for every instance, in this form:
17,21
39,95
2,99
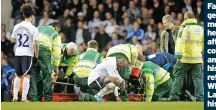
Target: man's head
121,64
71,49
126,20
93,44
189,15
136,25
167,21
3,26
96,14
108,15
56,25
131,4
80,25
115,4
28,11
80,16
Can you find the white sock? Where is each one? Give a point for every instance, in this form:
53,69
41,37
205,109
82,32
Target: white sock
116,91
25,88
16,87
109,87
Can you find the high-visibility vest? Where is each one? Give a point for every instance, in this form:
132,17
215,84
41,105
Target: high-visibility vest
190,42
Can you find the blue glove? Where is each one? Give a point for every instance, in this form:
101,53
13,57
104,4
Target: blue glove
167,66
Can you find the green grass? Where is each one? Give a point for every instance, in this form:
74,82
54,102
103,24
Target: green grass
102,106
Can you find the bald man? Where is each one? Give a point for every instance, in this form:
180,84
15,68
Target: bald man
69,59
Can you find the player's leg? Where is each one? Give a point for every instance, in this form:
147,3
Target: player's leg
19,73
26,67
108,85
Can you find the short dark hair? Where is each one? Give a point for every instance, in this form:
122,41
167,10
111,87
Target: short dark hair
92,44
27,10
55,24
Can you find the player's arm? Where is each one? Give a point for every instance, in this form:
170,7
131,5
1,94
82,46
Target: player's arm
36,44
149,87
71,65
56,52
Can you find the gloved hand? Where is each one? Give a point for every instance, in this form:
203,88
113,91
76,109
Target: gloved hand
35,61
167,66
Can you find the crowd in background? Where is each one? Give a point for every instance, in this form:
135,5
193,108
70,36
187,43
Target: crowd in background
110,22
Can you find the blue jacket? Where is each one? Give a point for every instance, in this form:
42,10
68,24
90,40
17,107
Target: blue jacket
162,58
139,33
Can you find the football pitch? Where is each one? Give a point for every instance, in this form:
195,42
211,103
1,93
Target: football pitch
102,106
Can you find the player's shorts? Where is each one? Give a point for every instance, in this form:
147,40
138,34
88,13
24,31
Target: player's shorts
23,64
98,83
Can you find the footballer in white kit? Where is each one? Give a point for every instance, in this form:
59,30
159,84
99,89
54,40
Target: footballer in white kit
105,77
26,36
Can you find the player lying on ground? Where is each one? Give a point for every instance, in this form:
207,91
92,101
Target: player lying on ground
129,53
105,77
26,37
87,61
158,81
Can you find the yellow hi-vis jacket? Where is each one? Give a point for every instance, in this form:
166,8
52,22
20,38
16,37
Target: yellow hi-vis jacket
130,51
190,42
51,40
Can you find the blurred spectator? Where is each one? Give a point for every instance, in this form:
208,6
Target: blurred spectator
101,11
63,37
96,22
141,24
158,11
107,22
124,34
102,37
165,2
166,10
68,29
150,33
63,18
80,17
6,45
80,35
55,9
87,12
118,32
160,29
134,40
188,5
45,20
180,17
4,28
5,66
15,14
93,34
125,15
94,4
143,3
136,31
108,5
199,13
115,40
116,11
133,11
126,25
146,15
111,28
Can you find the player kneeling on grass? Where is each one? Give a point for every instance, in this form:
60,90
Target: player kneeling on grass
26,37
158,81
83,68
105,77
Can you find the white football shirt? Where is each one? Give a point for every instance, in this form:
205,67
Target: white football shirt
25,33
107,67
